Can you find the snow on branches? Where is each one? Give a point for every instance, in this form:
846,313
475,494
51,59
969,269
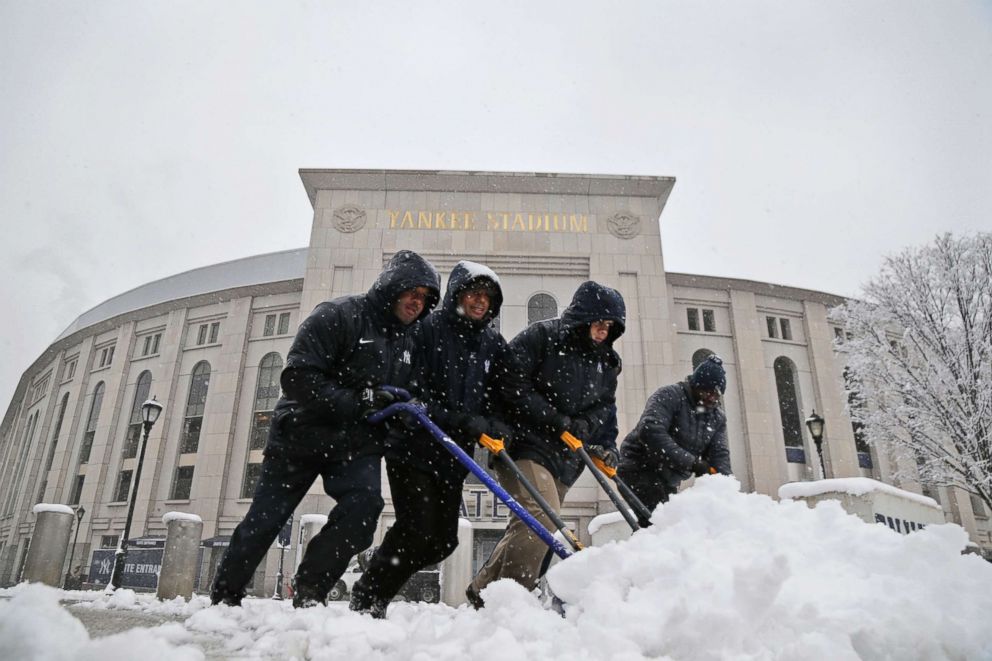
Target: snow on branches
918,351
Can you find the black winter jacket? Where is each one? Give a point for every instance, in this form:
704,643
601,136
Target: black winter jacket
344,347
671,435
460,359
555,371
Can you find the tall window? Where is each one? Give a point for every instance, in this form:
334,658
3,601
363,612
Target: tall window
860,441
692,318
709,321
51,448
183,484
134,425
123,486
772,324
91,420
266,396
252,473
699,357
150,346
788,407
77,490
26,441
541,307
195,403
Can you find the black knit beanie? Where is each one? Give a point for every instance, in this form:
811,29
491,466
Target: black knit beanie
710,375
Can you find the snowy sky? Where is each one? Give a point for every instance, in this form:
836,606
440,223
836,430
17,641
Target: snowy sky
808,138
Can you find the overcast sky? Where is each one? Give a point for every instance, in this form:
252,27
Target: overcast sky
808,138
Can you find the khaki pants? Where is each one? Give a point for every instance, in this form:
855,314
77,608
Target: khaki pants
519,553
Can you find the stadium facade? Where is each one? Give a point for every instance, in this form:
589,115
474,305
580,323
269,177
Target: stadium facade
210,344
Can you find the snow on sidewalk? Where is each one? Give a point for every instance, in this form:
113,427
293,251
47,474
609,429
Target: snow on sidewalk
721,575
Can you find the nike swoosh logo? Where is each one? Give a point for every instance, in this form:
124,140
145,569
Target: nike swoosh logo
363,341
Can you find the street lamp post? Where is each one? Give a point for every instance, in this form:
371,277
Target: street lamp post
80,511
815,424
150,411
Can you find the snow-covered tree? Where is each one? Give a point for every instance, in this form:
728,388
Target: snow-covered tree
919,360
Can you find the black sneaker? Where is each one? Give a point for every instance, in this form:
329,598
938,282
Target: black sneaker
305,596
474,598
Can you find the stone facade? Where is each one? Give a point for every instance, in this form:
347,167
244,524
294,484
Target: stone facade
543,234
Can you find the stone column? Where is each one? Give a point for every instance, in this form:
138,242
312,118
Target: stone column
456,570
49,544
182,545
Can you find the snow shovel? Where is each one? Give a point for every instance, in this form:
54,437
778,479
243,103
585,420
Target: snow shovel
497,448
635,503
575,445
417,413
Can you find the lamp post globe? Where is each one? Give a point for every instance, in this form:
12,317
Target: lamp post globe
815,424
150,411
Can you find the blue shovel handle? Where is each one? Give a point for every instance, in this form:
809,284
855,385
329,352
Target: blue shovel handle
421,416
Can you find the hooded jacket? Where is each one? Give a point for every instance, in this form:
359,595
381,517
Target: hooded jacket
671,435
460,359
343,348
556,372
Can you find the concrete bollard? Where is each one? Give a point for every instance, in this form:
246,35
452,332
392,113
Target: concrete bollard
610,527
49,544
456,569
182,546
310,525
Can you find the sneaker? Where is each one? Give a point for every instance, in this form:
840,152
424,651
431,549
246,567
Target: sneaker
474,598
305,596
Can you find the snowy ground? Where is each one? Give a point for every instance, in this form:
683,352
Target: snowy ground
721,575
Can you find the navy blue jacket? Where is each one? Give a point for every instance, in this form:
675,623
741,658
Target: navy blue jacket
671,435
344,347
460,360
555,371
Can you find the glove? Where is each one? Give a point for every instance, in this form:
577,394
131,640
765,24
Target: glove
472,425
607,455
578,427
501,430
376,399
700,467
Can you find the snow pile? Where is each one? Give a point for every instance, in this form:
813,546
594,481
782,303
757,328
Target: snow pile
721,575
725,575
34,626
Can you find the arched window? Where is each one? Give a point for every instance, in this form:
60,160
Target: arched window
541,307
788,407
854,404
195,404
699,357
84,451
266,396
134,424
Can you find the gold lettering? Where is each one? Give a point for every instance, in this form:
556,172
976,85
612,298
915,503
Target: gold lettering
582,225
506,220
407,220
492,220
469,220
424,220
393,215
518,219
439,220
555,216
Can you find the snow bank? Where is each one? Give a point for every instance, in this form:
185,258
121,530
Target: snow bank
34,626
180,516
724,575
720,575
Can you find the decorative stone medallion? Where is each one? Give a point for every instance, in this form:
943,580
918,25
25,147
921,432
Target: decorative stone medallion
624,225
349,218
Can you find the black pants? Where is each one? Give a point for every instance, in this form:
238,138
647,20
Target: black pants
425,532
355,485
648,487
